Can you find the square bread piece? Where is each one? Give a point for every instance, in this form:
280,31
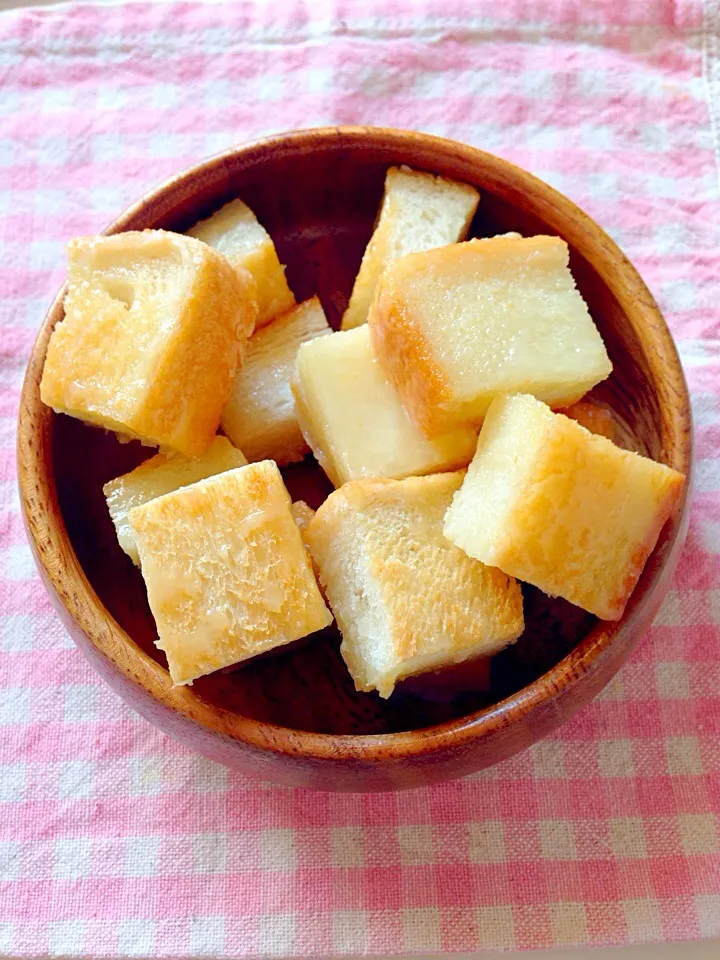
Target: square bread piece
234,230
419,211
154,332
160,475
260,415
354,420
405,598
226,571
455,326
552,504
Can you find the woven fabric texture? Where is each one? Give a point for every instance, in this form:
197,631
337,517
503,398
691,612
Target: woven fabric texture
117,842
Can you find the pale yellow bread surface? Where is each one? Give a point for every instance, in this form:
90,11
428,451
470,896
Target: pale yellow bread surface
226,571
159,475
419,211
406,600
154,332
354,420
551,504
260,416
455,326
234,230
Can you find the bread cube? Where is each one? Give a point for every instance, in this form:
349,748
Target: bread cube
406,600
419,211
234,230
260,415
354,420
226,571
455,326
548,502
594,417
154,332
160,475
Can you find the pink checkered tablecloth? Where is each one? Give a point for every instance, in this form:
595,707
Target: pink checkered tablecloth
114,840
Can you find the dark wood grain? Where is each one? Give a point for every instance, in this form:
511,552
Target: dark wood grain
295,717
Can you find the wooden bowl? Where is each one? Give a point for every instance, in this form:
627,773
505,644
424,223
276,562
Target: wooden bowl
295,717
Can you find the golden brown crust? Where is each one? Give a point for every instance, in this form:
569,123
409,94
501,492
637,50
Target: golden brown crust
448,350
552,504
111,362
227,574
202,352
407,359
638,557
235,231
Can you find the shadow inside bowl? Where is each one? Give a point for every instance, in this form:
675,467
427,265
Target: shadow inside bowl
305,686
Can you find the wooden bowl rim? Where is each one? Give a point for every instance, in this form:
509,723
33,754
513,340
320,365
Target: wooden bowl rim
59,565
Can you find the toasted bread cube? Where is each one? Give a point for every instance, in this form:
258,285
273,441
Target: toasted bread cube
154,332
354,420
160,475
552,504
594,417
454,327
419,211
226,571
260,415
234,230
406,600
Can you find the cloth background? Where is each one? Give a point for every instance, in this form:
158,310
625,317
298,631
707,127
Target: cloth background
114,840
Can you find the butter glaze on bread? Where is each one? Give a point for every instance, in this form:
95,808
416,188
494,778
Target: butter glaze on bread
552,504
226,571
455,326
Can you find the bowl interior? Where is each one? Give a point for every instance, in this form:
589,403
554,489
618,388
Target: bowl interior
319,205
